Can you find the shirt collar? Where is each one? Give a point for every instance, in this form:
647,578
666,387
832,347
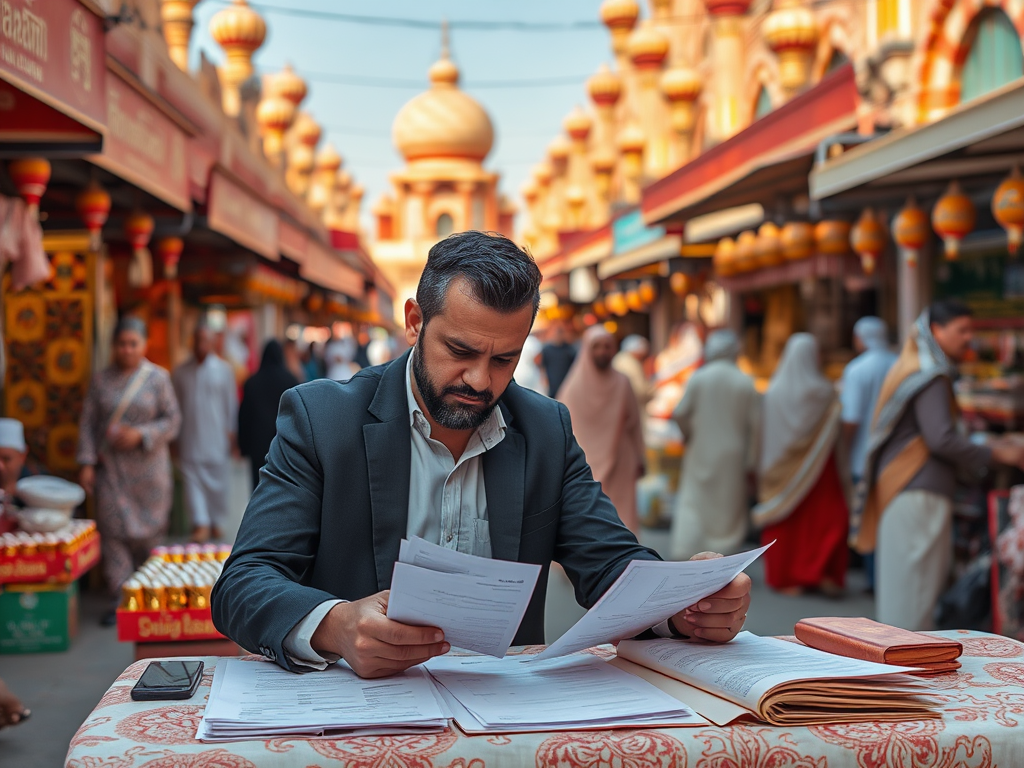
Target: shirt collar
491,432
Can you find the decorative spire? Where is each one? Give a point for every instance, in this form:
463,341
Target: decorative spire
239,31
176,20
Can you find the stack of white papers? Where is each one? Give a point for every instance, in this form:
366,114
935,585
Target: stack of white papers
576,692
477,602
256,699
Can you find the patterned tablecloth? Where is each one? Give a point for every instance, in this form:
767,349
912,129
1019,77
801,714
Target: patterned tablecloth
983,708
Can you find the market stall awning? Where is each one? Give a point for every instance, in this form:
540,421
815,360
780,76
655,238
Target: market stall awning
52,70
580,249
980,138
325,268
235,212
771,157
791,272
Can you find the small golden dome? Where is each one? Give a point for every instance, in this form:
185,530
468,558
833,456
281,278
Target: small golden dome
356,193
287,85
727,7
529,190
306,129
443,122
328,159
619,14
632,139
578,124
647,47
575,196
301,158
603,161
604,86
542,173
790,27
238,28
559,148
681,84
274,113
344,179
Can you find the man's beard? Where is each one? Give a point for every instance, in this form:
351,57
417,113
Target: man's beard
450,415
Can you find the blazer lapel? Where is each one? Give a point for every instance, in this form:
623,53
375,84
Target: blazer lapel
504,485
388,459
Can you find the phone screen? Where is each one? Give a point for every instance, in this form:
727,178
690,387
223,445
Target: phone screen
170,675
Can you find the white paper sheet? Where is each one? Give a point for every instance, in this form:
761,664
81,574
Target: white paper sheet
250,699
511,693
647,593
477,602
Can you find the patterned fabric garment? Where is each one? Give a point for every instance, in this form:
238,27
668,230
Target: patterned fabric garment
133,488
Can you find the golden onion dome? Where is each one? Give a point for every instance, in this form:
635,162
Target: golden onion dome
274,113
578,124
790,27
287,85
604,87
238,28
443,122
344,180
328,159
529,190
681,84
575,196
301,158
619,14
603,161
559,148
727,7
306,129
542,173
356,193
647,47
632,139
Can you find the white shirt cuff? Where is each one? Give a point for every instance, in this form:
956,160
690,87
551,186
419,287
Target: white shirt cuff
297,643
665,630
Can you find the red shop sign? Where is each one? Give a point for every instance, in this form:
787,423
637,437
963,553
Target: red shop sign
237,213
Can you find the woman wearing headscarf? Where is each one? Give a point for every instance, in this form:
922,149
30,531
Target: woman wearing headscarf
802,498
606,422
257,413
129,418
718,416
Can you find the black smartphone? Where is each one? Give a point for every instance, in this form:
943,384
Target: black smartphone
164,680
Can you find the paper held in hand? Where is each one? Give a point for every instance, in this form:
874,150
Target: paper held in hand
783,683
477,602
647,593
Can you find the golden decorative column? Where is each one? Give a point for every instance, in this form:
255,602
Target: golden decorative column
274,115
325,175
631,144
301,141
176,21
681,86
647,48
581,183
792,32
558,156
727,59
620,17
239,31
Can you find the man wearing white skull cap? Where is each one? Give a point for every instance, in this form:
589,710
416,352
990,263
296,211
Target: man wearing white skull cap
12,461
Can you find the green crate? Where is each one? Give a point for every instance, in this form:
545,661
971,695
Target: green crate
38,618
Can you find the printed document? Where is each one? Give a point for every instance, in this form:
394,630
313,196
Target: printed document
477,602
647,593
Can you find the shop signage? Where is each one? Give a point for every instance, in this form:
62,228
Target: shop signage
292,242
630,232
54,50
325,268
240,215
144,146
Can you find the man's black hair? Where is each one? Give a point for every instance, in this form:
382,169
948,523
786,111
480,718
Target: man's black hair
133,324
501,275
945,311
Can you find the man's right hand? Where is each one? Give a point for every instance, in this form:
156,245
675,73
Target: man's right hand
372,644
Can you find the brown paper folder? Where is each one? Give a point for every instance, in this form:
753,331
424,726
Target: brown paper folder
861,638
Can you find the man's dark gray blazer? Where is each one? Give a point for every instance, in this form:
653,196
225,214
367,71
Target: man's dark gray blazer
331,508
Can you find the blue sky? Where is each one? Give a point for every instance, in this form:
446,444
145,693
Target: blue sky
357,119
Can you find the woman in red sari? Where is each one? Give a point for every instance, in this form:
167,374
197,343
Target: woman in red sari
802,496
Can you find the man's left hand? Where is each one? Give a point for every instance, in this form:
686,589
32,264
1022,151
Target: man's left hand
718,617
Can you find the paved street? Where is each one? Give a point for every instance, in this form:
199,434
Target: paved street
62,688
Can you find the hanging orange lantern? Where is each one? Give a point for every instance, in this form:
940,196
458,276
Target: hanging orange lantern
315,302
30,176
93,205
633,300
616,302
796,240
648,293
1008,209
679,283
724,260
868,240
600,309
169,250
910,231
746,251
832,237
768,249
953,218
138,228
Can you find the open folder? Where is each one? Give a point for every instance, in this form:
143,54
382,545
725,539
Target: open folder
781,683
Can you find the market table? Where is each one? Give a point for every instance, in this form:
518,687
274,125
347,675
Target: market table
983,706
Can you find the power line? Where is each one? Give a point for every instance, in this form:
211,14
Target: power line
370,81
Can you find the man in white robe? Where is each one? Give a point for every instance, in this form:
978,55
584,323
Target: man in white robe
208,397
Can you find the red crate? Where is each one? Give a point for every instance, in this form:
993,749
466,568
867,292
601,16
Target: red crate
166,626
52,567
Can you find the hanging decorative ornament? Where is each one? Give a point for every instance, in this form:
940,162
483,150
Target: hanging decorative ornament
30,176
768,249
746,251
616,302
1008,209
93,205
169,250
634,301
648,293
724,259
832,237
910,231
680,283
600,309
868,240
138,228
796,240
953,218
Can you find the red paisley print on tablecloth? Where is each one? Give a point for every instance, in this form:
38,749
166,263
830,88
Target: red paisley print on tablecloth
134,672
993,647
1004,708
386,751
1009,672
214,758
611,749
127,760
167,725
745,747
907,745
85,739
119,694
